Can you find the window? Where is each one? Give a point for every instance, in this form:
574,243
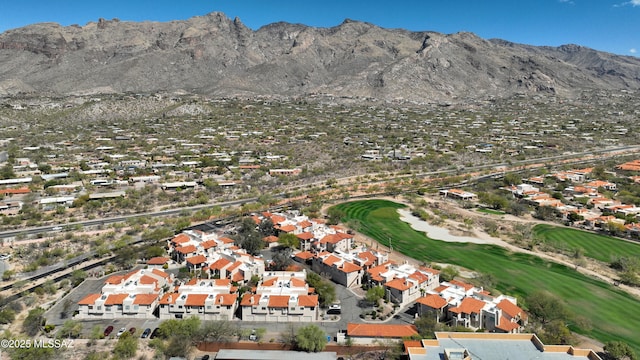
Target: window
127,307
208,307
99,307
136,307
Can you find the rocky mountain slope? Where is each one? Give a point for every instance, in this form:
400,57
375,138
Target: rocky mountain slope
221,57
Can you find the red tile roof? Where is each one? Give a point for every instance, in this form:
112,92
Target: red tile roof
234,266
419,277
115,299
335,238
169,298
433,301
288,228
330,260
226,299
219,264
208,244
195,299
441,288
297,282
305,236
158,260
15,191
147,280
349,267
304,255
145,299
237,277
469,305
308,300
507,325
193,281
226,240
279,301
89,299
270,239
305,224
375,271
160,273
222,282
270,282
381,330
197,260
510,309
117,279
461,284
186,249
180,239
399,284
369,258
277,219
250,299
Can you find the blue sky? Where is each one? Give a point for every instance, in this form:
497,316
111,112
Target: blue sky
608,25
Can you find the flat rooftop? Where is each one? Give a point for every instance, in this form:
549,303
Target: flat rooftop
495,347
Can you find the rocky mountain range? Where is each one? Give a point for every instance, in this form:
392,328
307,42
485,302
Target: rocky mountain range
217,56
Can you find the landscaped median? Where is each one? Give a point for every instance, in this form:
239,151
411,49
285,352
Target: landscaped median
612,313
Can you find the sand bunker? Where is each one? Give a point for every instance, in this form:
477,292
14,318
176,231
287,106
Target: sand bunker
436,232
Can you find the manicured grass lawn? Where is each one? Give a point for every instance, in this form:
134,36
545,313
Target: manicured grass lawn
492,212
599,247
615,315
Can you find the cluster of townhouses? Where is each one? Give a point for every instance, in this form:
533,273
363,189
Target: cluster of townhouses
222,268
599,210
134,295
461,304
454,302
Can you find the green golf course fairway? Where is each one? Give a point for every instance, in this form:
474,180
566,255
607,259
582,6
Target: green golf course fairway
599,247
614,314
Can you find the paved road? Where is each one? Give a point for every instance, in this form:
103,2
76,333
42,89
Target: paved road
115,219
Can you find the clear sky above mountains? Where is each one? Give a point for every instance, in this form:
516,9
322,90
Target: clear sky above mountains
608,25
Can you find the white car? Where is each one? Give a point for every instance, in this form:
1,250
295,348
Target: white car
334,309
121,331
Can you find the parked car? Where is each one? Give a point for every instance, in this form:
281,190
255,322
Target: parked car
146,333
132,330
205,357
154,333
108,331
253,336
121,331
334,310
